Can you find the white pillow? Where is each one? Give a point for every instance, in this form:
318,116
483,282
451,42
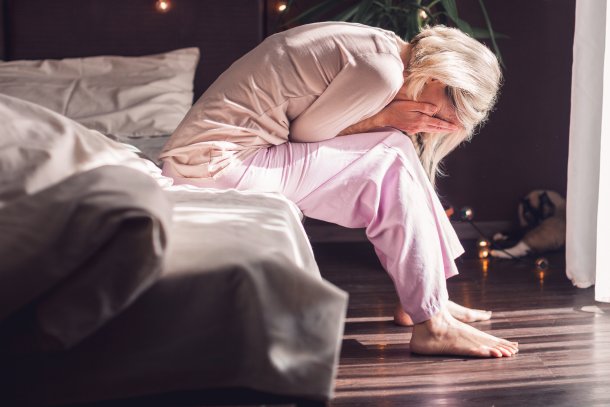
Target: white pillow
122,96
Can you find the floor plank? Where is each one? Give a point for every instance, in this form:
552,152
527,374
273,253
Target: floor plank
564,337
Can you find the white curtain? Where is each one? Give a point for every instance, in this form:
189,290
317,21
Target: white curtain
588,198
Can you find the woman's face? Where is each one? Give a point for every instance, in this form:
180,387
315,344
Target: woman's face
435,92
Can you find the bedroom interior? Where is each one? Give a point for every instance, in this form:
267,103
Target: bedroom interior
303,314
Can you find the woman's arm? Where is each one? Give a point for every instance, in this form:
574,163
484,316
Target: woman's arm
406,115
360,90
365,88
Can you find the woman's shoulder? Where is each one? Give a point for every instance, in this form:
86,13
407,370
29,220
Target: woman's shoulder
351,38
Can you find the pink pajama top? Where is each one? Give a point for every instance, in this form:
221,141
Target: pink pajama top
305,84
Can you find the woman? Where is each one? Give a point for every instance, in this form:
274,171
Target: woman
321,113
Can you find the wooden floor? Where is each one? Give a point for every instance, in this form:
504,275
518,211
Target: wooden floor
564,337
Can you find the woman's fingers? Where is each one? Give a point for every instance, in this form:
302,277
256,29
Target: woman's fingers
432,124
415,117
427,124
421,107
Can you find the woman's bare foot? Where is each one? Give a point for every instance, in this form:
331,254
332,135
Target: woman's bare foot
464,314
444,335
458,311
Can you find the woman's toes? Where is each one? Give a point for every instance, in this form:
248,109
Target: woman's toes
506,352
509,343
497,353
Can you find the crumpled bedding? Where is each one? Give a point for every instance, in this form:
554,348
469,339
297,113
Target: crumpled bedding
79,252
63,212
237,302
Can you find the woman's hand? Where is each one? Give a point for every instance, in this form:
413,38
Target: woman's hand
414,117
406,115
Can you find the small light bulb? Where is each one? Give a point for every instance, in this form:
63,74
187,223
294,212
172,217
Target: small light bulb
483,242
466,213
483,253
163,6
282,7
423,15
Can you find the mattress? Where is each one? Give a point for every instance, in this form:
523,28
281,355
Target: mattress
240,304
239,301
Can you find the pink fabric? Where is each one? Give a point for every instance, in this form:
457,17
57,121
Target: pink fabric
373,180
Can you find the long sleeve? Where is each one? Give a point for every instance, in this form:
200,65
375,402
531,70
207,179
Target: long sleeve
362,88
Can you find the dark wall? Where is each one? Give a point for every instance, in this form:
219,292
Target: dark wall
41,29
524,145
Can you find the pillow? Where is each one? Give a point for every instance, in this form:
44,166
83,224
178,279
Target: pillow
121,96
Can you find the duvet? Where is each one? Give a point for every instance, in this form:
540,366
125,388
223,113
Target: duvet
115,283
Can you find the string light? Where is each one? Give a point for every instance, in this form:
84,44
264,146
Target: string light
163,6
281,7
466,213
485,245
482,242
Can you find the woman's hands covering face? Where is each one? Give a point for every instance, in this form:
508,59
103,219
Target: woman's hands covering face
433,113
415,117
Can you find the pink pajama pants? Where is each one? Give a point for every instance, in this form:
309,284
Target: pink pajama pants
372,180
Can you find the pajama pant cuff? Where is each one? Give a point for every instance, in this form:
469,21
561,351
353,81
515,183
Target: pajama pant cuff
425,314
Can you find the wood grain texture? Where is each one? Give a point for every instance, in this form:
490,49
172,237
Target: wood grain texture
564,337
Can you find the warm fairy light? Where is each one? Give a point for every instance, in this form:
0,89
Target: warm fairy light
163,6
423,15
281,7
483,253
483,243
466,213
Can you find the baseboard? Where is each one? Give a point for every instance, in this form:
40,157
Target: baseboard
467,231
323,232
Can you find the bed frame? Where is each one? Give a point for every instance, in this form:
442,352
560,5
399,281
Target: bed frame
222,29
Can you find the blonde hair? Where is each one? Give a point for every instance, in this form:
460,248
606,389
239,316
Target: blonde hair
473,77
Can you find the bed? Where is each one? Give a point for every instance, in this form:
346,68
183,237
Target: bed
117,287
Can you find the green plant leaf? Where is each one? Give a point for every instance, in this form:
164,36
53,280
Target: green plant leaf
464,26
483,33
491,34
363,9
346,15
451,9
